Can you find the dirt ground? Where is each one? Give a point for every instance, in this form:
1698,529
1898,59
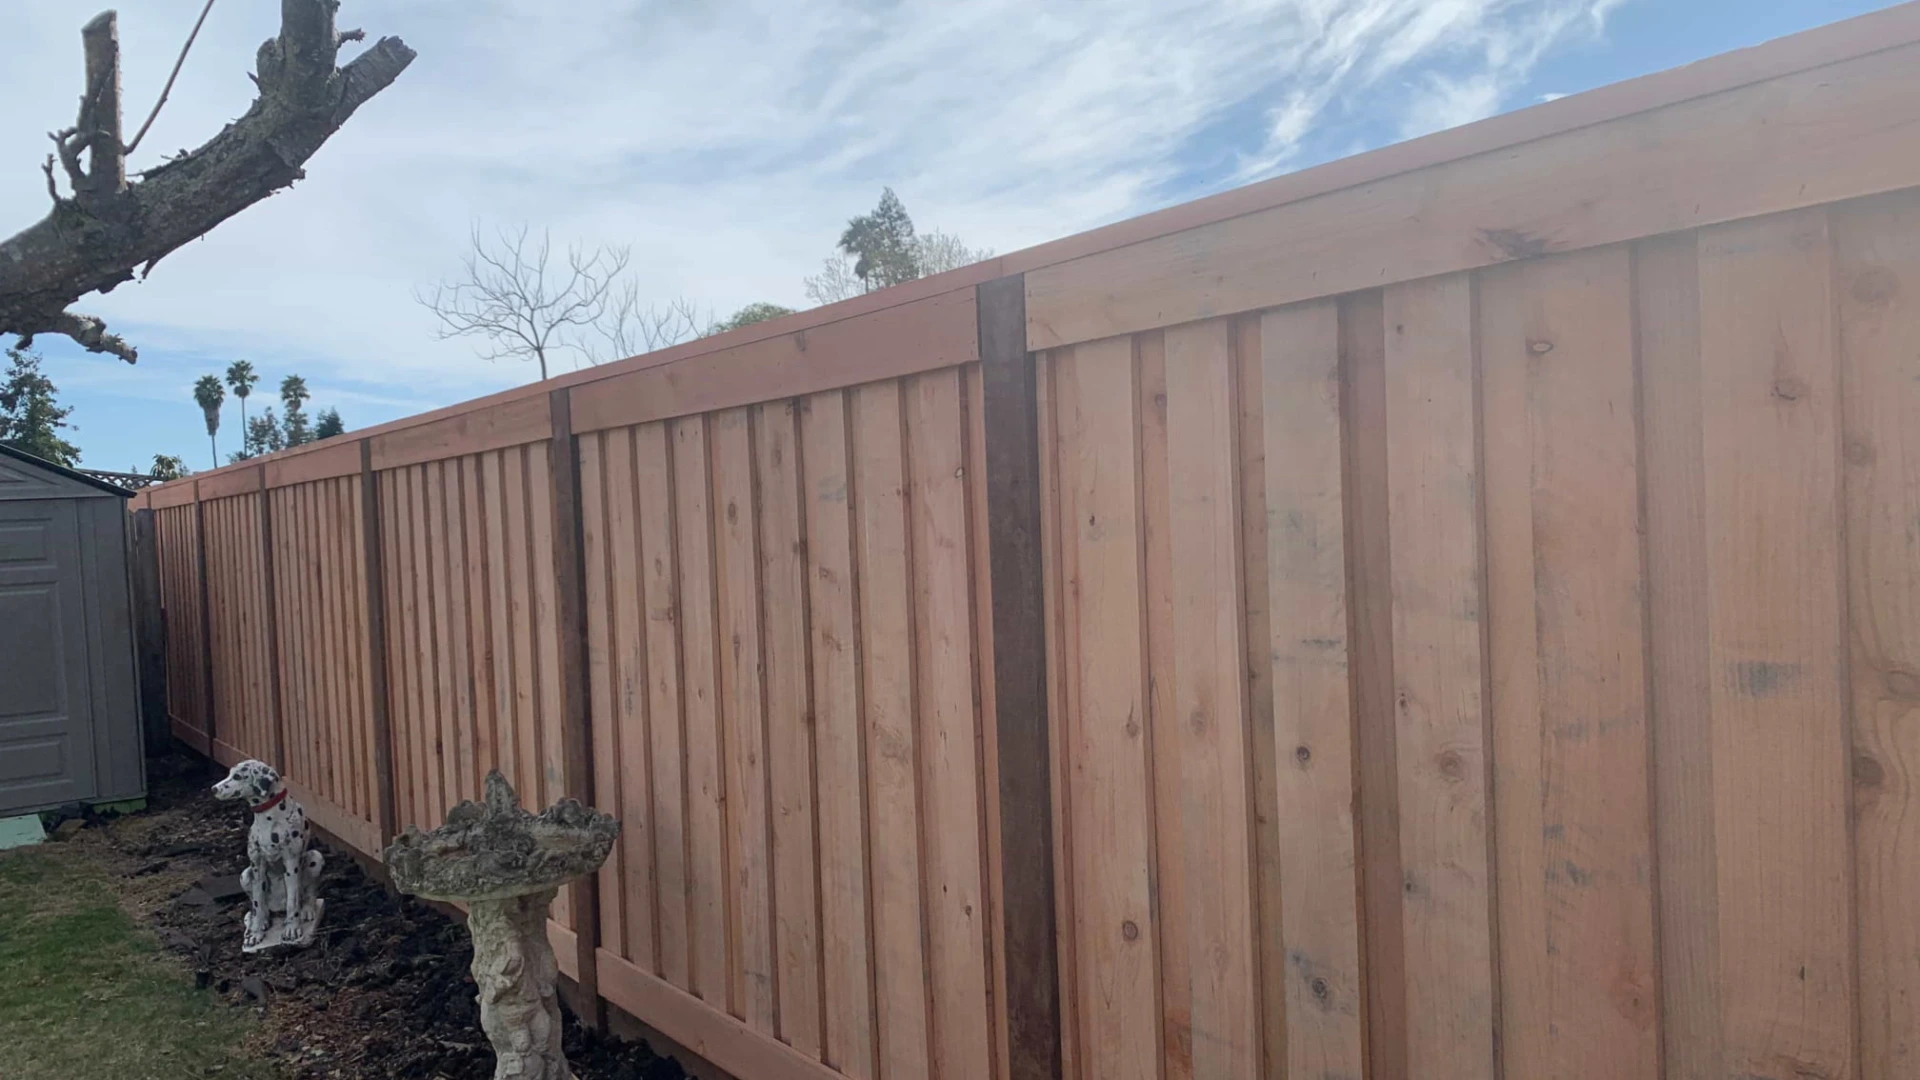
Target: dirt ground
383,991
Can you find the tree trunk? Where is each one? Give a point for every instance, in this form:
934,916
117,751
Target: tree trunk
107,229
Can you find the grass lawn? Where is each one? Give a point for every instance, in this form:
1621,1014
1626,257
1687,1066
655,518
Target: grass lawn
85,995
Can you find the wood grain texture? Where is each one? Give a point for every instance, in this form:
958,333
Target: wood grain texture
901,966
1805,139
631,717
950,770
1567,666
839,737
1308,659
660,608
711,949
1095,429
922,335
1877,248
1171,880
1369,627
1434,506
1010,476
790,723
1209,710
743,707
1059,653
573,715
595,534
479,429
1250,432
1770,411
326,460
716,1036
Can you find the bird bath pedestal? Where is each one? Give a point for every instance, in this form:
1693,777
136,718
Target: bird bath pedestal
505,865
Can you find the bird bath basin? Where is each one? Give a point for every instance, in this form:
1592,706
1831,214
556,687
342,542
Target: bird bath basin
506,865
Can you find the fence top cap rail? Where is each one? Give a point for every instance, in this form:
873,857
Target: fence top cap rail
1860,36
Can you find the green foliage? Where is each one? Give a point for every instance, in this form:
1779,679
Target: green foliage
264,435
881,244
329,424
294,394
240,379
30,415
747,316
167,467
210,395
88,996
886,251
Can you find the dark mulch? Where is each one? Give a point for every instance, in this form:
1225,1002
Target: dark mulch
383,992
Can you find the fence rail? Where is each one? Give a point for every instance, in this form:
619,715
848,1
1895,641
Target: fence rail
1448,613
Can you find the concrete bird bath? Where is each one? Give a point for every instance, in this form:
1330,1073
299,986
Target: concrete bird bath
505,865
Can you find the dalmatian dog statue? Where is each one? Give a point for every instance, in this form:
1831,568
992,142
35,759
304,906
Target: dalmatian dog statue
282,876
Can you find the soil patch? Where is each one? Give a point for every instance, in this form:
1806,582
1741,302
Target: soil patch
382,992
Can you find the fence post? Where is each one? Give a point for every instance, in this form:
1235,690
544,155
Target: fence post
206,620
273,626
1011,414
149,632
569,558
376,590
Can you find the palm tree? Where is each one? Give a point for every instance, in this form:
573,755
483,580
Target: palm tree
240,379
210,395
293,394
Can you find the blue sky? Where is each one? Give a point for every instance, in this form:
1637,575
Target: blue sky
728,140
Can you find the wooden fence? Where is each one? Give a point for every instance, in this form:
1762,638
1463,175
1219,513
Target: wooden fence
1451,613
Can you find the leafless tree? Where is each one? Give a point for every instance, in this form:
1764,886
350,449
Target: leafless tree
940,252
510,294
630,327
105,228
934,253
835,281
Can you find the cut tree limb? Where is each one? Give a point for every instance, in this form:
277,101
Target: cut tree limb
95,239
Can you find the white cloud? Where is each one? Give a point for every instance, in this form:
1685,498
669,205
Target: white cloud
728,141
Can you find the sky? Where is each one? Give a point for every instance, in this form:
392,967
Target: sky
727,142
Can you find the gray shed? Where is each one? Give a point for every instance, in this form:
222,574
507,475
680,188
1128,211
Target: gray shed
69,707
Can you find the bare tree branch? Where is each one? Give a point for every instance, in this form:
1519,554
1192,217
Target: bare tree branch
168,89
95,240
631,328
507,296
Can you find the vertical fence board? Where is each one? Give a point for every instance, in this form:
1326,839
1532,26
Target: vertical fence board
520,620
949,728
480,635
1369,633
901,975
466,713
1434,497
1059,689
1209,702
1308,649
659,608
710,956
789,720
1567,668
838,742
1257,655
1167,868
1095,420
500,613
1877,246
743,708
1769,396
596,533
379,678
631,720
